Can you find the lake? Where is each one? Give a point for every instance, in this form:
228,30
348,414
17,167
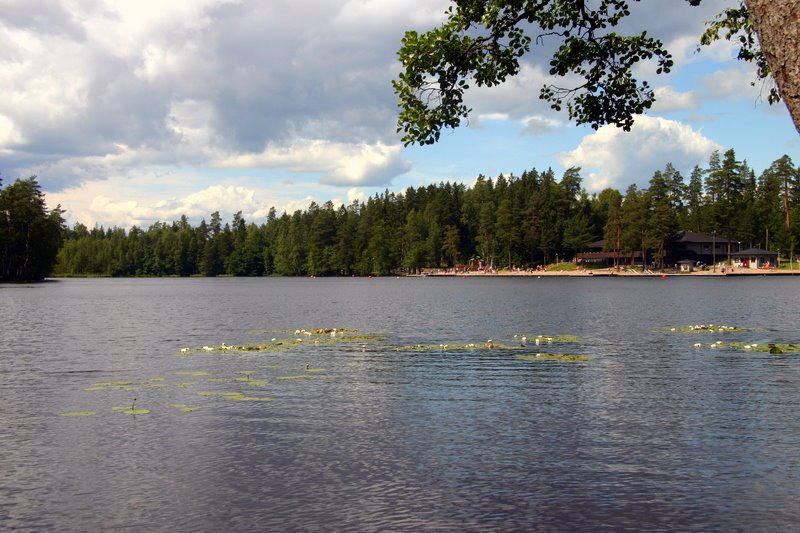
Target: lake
397,423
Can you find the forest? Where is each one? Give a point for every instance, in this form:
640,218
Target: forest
507,222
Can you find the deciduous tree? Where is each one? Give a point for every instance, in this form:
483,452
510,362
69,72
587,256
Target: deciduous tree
481,43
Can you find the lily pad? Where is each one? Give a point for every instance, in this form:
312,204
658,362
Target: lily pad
553,357
771,347
253,382
79,413
706,328
194,373
454,347
128,411
545,339
132,410
106,387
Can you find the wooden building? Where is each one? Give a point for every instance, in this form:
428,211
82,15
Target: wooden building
755,258
700,248
596,254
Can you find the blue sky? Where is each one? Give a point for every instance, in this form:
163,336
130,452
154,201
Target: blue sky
133,112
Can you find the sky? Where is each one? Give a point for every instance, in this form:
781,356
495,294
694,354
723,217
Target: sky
136,112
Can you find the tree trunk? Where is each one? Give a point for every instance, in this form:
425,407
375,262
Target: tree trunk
777,23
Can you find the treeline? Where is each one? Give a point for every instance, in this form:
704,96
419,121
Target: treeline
507,222
30,234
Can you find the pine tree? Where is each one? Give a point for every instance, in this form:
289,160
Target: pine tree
30,234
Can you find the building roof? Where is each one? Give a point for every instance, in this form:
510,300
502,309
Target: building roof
753,251
608,255
690,236
597,245
682,237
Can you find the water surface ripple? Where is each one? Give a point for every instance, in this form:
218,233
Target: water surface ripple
651,433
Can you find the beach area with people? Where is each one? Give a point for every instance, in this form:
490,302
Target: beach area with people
559,270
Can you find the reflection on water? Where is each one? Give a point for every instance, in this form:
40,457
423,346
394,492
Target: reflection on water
650,433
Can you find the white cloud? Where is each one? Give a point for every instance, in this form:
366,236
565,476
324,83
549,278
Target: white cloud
354,194
341,164
493,116
732,84
538,125
386,12
611,157
516,99
668,100
8,133
130,111
196,82
191,122
297,205
120,201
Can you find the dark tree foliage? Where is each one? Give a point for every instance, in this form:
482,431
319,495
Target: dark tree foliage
30,235
506,222
481,42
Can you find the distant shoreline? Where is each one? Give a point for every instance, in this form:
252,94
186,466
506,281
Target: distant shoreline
610,272
442,273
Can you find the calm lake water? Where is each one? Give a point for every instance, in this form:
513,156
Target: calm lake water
651,433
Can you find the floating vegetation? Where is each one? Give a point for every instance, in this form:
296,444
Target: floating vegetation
772,348
303,331
130,386
113,385
132,410
302,337
546,339
489,345
192,373
237,396
316,370
79,413
706,328
276,346
248,379
553,357
252,382
304,376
